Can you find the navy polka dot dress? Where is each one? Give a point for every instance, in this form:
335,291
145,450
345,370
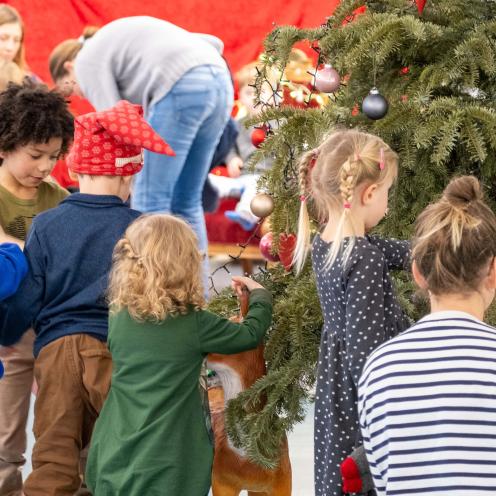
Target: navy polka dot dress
360,313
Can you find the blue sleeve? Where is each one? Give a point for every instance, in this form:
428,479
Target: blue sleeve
397,253
18,312
13,268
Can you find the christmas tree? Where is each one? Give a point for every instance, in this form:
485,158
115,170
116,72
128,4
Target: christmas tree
435,64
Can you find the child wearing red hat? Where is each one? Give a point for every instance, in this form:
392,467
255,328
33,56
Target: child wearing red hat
69,251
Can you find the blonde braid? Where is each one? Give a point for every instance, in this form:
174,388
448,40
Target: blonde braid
303,174
303,237
348,176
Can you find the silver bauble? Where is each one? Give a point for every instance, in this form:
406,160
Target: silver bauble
375,106
262,205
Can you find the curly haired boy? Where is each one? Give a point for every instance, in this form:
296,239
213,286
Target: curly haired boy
36,129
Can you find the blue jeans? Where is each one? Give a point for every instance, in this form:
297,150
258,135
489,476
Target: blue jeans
191,118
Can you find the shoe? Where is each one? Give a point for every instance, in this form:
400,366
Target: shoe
239,219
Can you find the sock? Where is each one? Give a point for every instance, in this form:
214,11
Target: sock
239,219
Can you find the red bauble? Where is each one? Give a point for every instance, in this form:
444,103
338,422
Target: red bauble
258,136
287,244
420,5
327,79
266,247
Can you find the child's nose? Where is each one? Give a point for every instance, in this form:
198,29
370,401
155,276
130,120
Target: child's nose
45,165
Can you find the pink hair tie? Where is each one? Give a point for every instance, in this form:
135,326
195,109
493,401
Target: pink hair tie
314,158
381,161
347,205
357,157
303,198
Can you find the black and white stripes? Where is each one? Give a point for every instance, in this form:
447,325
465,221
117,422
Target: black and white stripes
427,402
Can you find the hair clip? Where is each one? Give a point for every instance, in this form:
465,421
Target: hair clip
382,164
347,205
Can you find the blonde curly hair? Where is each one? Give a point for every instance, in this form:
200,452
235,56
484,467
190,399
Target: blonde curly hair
156,269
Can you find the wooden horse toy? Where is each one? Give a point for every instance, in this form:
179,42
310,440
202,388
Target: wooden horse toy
232,471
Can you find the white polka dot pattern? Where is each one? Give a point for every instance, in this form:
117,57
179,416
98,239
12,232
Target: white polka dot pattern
360,313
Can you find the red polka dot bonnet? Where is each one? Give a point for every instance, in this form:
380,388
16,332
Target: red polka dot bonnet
110,142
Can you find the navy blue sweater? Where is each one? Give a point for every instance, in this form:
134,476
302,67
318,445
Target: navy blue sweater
69,252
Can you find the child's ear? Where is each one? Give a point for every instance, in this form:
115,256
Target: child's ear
72,174
418,277
368,193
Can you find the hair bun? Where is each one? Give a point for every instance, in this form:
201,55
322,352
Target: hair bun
462,191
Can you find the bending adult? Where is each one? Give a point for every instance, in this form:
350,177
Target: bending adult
183,83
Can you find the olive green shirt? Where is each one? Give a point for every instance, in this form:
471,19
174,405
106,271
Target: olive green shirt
16,214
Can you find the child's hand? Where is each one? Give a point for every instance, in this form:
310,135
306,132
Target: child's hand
241,282
234,167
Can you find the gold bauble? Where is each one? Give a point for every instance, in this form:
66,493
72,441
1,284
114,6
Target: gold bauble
262,205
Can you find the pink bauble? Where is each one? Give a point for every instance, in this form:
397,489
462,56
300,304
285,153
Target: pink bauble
266,247
327,79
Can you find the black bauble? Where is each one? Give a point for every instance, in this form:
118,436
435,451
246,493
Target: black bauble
374,105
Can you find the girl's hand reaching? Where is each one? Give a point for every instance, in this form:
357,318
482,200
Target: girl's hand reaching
240,282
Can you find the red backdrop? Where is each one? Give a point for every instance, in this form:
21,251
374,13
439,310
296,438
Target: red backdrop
241,25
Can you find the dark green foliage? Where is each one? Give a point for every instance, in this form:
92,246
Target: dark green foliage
441,121
291,352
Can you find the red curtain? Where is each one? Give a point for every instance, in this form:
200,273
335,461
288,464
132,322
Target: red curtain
241,25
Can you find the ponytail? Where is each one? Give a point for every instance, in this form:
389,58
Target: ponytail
67,52
88,32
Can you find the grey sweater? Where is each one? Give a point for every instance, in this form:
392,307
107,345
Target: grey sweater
139,59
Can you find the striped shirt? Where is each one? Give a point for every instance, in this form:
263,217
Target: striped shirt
427,404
